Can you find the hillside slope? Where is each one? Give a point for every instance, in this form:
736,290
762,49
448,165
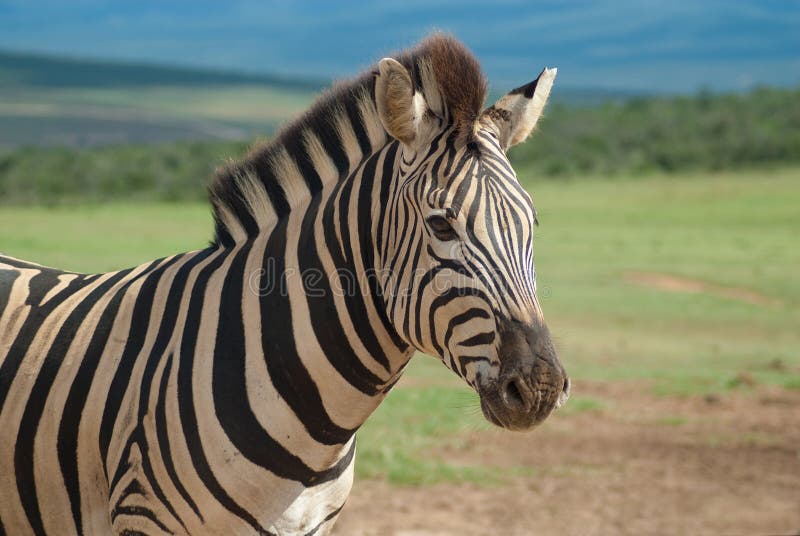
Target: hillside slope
47,101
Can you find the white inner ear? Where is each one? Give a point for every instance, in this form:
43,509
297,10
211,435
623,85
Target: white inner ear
518,114
528,115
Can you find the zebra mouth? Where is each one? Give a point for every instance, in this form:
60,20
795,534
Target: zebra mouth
516,404
530,381
489,414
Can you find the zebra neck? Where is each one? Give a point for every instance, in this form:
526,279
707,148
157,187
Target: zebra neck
318,150
303,295
337,238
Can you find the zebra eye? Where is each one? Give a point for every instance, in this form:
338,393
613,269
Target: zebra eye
441,228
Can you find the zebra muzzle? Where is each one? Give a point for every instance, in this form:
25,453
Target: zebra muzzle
531,382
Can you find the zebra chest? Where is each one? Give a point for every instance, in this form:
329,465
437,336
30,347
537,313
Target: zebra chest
315,510
216,489
139,507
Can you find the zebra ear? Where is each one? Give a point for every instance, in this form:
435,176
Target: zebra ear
515,115
399,106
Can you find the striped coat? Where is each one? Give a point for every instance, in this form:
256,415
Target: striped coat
219,391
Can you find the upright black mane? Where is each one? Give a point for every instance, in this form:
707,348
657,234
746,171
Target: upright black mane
252,193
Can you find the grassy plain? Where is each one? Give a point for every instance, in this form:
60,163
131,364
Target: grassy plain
688,284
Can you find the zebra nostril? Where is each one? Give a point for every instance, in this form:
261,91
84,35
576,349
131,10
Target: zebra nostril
564,395
514,394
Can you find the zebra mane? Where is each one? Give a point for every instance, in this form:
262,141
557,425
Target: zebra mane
338,131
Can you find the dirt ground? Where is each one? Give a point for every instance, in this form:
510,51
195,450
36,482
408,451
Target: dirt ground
718,465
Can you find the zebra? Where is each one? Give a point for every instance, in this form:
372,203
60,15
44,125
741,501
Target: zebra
219,391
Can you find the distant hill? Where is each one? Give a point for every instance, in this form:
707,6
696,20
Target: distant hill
71,102
27,70
41,71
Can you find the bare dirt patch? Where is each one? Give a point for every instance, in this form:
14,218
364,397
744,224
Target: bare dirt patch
672,283
728,464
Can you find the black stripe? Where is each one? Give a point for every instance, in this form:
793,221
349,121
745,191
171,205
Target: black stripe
326,132
294,146
227,191
346,267
286,370
465,360
23,449
138,511
353,113
463,318
138,436
505,253
158,352
323,316
25,265
389,386
149,474
67,444
465,168
229,384
39,286
427,279
501,259
7,278
186,401
480,339
487,258
510,220
221,234
413,266
386,180
123,466
522,252
365,232
514,191
445,298
140,320
395,263
263,169
327,518
134,487
452,152
411,241
163,439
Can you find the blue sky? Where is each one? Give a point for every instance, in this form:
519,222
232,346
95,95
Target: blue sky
674,46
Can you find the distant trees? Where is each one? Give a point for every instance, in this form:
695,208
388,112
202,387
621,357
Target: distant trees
643,135
169,172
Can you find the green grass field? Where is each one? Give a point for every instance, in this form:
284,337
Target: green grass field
686,283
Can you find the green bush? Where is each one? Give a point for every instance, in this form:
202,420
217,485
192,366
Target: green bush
169,172
669,134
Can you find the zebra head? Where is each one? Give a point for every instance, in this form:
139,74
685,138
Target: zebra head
460,254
